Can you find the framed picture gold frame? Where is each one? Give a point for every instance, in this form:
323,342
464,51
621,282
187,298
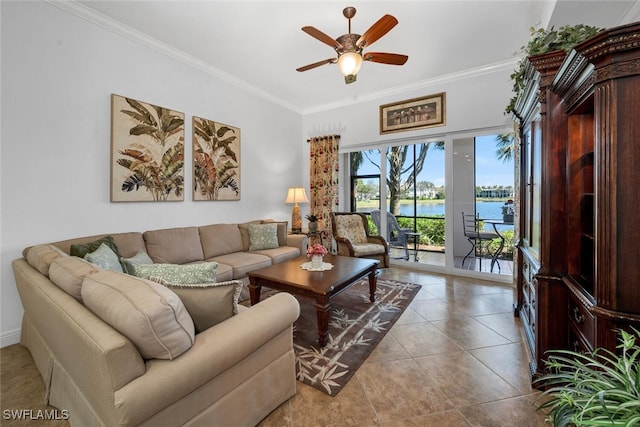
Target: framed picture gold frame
147,152
216,160
417,113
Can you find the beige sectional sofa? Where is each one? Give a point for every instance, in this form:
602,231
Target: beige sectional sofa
233,373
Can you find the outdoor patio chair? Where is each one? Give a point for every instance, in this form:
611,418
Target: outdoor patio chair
396,236
351,232
475,236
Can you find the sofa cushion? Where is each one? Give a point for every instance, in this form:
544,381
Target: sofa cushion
140,258
208,303
80,250
128,243
220,239
263,236
242,262
280,254
40,257
282,230
68,273
202,272
149,314
174,245
224,272
105,258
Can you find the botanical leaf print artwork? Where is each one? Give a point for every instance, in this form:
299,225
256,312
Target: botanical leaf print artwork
147,144
216,161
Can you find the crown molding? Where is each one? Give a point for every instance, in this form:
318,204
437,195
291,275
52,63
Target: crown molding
439,80
78,9
75,8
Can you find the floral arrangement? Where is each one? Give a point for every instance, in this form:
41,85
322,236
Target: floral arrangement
508,208
316,249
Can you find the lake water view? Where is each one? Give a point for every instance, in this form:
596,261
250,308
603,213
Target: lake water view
488,209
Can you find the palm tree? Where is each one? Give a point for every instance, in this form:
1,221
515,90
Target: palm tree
397,156
505,146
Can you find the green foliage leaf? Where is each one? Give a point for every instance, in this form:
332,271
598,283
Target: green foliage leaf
595,389
545,41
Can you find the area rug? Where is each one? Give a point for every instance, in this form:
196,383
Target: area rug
356,326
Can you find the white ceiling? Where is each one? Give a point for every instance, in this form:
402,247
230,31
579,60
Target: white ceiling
259,44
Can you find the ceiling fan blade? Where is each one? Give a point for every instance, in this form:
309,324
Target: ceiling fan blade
317,34
385,58
377,30
316,64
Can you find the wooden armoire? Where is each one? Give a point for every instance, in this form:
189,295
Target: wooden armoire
578,268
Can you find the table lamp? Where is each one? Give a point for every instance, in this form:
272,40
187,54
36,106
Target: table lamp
296,195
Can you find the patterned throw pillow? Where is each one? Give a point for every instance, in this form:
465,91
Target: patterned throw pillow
204,272
351,227
282,230
140,258
263,236
105,258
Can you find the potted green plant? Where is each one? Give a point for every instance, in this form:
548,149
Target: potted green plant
601,388
313,222
545,41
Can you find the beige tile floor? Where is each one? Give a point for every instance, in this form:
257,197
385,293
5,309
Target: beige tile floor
455,358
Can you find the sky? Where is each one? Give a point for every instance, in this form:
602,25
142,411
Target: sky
489,170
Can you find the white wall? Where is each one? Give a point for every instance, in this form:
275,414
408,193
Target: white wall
475,105
472,102
58,72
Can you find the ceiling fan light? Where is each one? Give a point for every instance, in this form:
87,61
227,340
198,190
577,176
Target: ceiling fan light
349,63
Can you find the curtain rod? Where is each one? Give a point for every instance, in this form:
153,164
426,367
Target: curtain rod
323,137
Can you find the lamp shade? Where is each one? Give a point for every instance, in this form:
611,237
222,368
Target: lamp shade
296,195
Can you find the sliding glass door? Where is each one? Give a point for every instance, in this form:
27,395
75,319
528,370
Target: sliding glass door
425,187
411,194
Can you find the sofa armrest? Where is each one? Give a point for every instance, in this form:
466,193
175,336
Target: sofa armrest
299,241
215,350
95,356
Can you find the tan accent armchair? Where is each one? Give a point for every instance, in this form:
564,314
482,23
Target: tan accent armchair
351,232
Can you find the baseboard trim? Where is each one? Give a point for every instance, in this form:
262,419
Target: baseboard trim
10,338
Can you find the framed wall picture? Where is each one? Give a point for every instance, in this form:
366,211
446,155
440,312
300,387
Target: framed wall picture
216,160
147,152
417,113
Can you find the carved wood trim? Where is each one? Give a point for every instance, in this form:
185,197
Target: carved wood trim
605,197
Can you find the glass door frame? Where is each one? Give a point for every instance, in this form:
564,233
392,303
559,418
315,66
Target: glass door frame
448,139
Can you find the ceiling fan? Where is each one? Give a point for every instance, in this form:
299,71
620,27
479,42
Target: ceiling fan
349,46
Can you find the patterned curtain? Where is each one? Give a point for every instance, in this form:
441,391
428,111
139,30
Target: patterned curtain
323,179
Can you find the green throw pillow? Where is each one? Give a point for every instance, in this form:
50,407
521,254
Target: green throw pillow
105,258
204,272
263,236
140,258
81,250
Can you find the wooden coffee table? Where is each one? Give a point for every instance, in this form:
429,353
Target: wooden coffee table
320,285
